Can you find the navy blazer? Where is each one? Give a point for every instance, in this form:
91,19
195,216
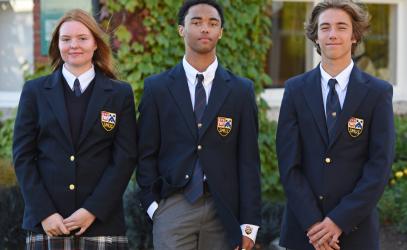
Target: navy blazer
344,178
47,164
169,137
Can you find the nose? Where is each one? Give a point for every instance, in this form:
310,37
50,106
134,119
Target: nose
332,33
74,43
205,28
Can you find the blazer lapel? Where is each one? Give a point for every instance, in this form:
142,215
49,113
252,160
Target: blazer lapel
100,94
55,96
356,92
313,95
178,88
219,92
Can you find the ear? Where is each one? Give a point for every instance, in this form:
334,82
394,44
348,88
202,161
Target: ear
181,30
353,40
221,33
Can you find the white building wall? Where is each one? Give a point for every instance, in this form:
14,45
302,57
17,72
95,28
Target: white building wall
16,50
400,90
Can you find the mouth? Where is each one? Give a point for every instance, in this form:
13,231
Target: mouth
75,53
205,39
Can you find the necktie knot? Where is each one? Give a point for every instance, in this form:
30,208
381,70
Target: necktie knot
331,83
77,87
200,78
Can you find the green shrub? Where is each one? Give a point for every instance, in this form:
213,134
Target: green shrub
7,176
6,138
401,138
393,206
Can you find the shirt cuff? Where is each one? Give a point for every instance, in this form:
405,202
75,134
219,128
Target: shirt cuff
151,209
250,231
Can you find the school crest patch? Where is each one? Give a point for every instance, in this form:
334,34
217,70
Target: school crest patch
355,126
224,125
108,120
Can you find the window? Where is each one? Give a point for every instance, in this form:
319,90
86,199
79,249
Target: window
292,53
51,12
374,55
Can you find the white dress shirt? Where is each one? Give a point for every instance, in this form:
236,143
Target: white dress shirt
342,86
84,79
209,75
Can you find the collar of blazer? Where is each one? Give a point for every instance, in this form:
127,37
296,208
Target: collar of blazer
55,96
178,88
357,89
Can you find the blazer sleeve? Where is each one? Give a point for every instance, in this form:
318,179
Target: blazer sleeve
354,207
117,175
249,162
300,197
148,147
37,201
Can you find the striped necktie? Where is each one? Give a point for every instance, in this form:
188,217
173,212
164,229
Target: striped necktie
333,108
194,189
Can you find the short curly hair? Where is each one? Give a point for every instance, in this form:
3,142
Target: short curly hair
357,11
183,11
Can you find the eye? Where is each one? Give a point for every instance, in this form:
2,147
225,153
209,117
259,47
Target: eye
64,39
83,38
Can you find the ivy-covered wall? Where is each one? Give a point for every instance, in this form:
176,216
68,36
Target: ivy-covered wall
147,42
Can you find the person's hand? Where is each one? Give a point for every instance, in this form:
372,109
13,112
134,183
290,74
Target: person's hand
247,244
325,231
334,243
53,225
324,246
81,218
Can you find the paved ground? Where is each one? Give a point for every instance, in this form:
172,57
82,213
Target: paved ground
392,240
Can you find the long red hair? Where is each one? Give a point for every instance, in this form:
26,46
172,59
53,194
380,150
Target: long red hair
102,56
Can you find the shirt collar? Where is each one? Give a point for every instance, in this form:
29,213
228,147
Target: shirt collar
342,78
191,72
84,79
